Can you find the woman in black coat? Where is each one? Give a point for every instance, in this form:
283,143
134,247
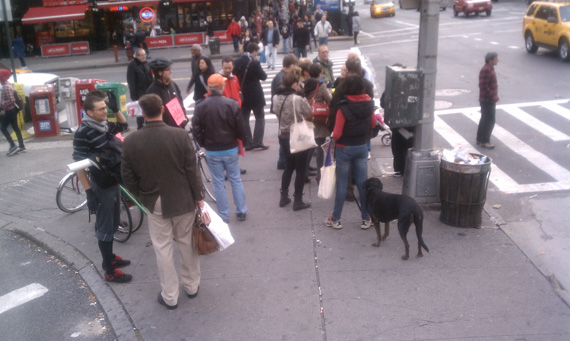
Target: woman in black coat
205,70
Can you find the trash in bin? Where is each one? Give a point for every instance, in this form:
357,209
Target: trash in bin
461,156
463,187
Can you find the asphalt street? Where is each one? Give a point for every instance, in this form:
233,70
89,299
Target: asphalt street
289,277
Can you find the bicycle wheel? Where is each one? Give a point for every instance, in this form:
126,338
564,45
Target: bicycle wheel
387,139
70,196
137,216
125,229
206,177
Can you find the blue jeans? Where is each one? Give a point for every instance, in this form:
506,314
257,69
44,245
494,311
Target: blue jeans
323,41
300,51
229,163
286,45
357,158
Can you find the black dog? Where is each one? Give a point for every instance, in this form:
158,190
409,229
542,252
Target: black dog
385,207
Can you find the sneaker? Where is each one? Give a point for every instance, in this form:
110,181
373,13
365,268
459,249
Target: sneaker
398,175
13,150
242,171
366,224
118,262
261,147
369,156
21,149
194,294
118,277
488,145
241,216
335,224
161,301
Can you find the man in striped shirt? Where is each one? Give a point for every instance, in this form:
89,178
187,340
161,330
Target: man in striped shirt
488,97
95,140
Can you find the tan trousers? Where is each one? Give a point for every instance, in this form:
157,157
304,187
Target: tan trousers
162,233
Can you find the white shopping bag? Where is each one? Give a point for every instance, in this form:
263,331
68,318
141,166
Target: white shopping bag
218,228
327,186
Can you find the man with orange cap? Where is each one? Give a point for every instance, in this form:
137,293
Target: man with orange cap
217,125
11,109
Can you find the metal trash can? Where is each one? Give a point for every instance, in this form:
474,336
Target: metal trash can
214,44
463,191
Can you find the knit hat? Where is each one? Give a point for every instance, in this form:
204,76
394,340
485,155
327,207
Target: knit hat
4,75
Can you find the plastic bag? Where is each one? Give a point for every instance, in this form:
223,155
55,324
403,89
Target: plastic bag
134,109
218,228
327,186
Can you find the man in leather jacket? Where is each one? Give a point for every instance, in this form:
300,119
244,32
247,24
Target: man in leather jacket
168,92
139,78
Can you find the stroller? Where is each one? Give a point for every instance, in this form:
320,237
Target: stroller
386,136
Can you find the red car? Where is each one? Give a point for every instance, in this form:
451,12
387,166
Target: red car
472,6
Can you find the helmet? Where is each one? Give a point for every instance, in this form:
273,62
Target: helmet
159,64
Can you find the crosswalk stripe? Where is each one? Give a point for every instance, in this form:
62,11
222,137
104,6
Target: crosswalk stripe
21,296
534,123
558,110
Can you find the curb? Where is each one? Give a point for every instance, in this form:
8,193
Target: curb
122,324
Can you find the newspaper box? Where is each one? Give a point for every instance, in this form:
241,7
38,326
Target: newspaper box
120,91
82,88
44,110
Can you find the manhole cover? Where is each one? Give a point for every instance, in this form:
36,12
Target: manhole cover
451,92
440,105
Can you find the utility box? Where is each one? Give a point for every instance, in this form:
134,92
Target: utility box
403,96
44,110
120,92
82,88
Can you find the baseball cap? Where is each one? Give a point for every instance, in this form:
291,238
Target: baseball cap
216,80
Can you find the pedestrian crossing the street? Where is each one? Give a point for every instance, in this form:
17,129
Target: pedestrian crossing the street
532,142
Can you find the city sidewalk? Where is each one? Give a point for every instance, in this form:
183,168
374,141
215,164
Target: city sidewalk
289,277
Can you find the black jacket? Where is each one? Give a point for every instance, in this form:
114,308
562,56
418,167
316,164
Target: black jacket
301,37
253,96
139,78
339,95
265,38
167,93
217,123
194,67
358,115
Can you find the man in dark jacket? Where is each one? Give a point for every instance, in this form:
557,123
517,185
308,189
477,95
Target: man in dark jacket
140,41
488,98
217,125
95,140
196,51
270,38
248,70
285,31
174,111
301,39
139,78
159,166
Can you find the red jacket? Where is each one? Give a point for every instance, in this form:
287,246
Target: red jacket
234,29
231,90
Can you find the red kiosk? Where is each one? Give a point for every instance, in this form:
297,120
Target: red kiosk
82,88
44,110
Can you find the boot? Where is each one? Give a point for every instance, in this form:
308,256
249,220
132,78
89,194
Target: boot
284,198
298,204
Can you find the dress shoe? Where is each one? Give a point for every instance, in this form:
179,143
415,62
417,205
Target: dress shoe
161,301
194,294
241,216
242,171
261,147
248,148
488,145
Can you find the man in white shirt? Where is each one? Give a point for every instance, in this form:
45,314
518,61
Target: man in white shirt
322,30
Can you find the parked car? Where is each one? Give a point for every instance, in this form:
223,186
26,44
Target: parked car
468,7
547,24
382,8
30,79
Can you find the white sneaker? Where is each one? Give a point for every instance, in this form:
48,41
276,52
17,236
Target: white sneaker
366,224
335,224
369,156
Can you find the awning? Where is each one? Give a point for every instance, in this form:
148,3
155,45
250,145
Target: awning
183,1
38,15
140,3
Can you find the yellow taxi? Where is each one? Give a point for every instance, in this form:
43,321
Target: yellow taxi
382,8
547,25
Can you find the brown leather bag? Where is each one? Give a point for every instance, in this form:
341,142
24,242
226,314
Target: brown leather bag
202,239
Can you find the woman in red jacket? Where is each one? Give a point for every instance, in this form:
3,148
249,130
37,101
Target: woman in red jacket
234,31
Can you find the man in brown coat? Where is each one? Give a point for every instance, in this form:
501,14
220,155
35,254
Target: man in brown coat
159,166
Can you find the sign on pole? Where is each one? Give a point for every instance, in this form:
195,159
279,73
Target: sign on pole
8,11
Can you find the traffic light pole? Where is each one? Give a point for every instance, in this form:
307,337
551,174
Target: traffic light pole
421,180
8,37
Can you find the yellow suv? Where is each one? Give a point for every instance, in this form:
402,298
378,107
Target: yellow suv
547,24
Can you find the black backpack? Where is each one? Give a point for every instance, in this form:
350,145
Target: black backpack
19,101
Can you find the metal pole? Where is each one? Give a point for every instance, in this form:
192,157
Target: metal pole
422,164
9,39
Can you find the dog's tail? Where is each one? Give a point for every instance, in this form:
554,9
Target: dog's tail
418,221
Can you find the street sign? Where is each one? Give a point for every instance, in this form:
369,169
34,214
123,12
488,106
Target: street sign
8,10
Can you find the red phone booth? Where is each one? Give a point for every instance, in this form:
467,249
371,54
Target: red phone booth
44,110
82,88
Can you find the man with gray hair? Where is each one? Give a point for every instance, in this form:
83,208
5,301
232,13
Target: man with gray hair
217,126
196,51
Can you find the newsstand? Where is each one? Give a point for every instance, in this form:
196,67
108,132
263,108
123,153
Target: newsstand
463,190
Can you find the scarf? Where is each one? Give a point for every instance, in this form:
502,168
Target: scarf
101,127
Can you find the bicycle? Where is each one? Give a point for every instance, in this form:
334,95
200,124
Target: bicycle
207,183
71,198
